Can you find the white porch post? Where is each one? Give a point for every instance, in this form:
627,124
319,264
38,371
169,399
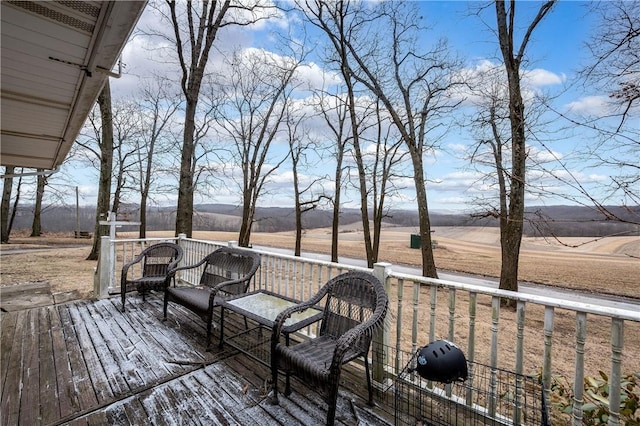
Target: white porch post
381,339
102,276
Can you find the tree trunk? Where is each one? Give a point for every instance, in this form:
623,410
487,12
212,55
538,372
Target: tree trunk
428,261
106,164
6,203
335,225
512,226
36,226
244,238
15,205
298,207
335,221
184,212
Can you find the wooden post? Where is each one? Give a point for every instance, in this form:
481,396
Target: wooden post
381,339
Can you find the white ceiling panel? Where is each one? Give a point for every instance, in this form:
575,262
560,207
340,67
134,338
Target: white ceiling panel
56,56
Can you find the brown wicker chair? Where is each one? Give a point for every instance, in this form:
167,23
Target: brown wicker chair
157,260
226,272
355,306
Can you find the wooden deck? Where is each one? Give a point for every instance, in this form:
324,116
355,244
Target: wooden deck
86,362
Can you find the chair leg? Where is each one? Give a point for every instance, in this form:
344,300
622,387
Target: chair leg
221,340
274,380
287,384
166,303
369,385
332,400
122,296
209,321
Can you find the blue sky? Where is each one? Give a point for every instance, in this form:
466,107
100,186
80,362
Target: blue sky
556,52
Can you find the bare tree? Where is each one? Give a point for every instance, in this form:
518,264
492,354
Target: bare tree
615,52
334,110
383,161
411,84
127,128
511,224
36,226
5,207
305,197
612,132
255,97
195,28
157,108
106,162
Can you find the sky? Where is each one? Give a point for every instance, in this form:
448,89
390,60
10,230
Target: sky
555,54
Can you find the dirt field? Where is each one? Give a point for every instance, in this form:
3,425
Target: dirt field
609,265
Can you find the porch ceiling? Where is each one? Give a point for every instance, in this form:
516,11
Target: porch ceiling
56,56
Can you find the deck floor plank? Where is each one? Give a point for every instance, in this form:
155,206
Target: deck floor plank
136,374
49,398
86,352
9,321
30,370
12,389
62,355
137,346
90,337
84,361
170,344
202,402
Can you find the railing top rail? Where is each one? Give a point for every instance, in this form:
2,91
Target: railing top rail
291,257
136,240
590,308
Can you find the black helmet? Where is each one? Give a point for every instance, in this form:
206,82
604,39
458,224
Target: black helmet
442,361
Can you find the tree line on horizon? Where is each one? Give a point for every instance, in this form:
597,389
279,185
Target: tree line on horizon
550,222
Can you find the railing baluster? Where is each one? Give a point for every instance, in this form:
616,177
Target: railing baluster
473,304
520,317
617,341
495,317
400,295
546,356
414,319
434,305
452,314
578,384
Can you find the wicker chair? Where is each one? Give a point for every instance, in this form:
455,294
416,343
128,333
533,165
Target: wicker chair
354,308
157,260
226,272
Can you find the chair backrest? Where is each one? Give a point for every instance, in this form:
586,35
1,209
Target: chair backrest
227,264
351,299
158,258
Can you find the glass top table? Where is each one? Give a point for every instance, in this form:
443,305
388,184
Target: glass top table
263,307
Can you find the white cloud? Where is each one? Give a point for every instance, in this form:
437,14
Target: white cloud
590,105
314,76
539,78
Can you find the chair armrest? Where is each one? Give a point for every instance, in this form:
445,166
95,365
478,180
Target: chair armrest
278,323
365,329
125,267
222,285
172,269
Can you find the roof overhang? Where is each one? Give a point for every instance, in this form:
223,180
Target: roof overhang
56,57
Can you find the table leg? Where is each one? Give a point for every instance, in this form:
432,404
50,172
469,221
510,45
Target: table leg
220,341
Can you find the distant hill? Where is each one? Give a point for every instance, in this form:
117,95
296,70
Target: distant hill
563,221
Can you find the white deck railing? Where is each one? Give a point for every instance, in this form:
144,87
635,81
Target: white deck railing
543,335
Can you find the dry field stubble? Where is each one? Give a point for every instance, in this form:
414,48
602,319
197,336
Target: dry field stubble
603,269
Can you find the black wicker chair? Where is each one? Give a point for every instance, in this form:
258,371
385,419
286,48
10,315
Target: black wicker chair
157,260
354,308
226,272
